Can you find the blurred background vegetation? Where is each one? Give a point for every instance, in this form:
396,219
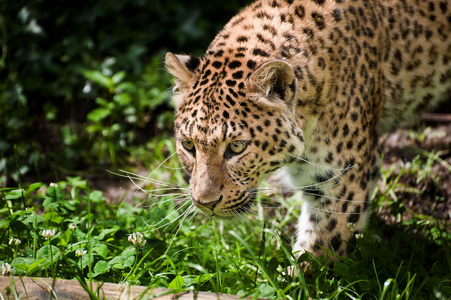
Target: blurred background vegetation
83,85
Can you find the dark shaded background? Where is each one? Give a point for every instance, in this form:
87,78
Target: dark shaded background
56,56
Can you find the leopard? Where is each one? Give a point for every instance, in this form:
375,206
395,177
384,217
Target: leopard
306,88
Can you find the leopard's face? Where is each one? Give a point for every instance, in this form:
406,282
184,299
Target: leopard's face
230,138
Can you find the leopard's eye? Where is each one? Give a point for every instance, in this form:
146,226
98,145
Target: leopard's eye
237,147
188,145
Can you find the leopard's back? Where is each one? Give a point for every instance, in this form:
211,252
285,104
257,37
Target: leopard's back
408,42
417,65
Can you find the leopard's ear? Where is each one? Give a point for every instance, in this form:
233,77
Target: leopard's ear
183,67
275,79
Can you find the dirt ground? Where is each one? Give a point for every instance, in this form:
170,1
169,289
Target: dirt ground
430,195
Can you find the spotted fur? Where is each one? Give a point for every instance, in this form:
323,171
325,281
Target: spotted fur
307,86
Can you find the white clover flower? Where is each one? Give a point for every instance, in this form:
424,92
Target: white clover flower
80,252
359,235
351,226
137,239
48,233
53,184
72,227
6,269
14,242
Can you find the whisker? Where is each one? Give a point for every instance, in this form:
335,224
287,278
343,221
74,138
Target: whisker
165,218
173,211
194,213
139,187
243,219
336,212
127,174
146,178
342,171
184,214
174,199
173,168
169,157
256,190
162,195
256,210
333,198
136,185
314,189
131,175
315,164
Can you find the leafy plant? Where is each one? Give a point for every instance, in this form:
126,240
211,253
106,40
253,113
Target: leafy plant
125,108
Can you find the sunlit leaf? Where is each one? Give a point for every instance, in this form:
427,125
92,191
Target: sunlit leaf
98,114
118,77
177,283
98,77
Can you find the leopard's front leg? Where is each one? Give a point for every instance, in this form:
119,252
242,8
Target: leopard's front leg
335,207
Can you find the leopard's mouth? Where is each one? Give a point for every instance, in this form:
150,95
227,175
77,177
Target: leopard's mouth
219,209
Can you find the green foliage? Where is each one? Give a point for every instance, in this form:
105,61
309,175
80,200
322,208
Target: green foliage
125,107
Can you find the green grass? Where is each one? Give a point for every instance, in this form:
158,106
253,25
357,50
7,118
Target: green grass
409,259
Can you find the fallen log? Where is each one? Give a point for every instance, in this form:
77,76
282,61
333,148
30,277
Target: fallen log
15,287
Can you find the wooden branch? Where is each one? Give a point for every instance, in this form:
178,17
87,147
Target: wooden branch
47,288
445,118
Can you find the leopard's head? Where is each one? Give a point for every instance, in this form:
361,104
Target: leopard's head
234,124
